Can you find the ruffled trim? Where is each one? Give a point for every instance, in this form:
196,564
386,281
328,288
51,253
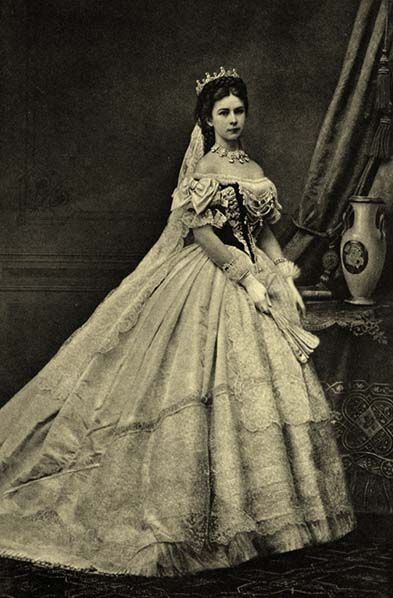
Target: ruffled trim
175,559
213,217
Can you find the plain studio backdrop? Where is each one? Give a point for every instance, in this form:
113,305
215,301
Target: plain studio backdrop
97,108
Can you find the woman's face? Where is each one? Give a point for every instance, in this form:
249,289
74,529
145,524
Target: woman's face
228,119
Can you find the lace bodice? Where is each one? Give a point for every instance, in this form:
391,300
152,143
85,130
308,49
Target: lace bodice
257,186
236,208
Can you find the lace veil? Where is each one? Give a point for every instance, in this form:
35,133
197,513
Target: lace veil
191,158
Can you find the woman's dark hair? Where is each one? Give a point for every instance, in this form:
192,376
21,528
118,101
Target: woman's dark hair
213,92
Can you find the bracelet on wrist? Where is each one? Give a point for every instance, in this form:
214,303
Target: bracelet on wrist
279,260
237,269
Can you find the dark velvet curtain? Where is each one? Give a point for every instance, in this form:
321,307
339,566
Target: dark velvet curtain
340,154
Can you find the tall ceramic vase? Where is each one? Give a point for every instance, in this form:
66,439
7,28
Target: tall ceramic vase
363,247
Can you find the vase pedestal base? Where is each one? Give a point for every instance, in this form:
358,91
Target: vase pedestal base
360,301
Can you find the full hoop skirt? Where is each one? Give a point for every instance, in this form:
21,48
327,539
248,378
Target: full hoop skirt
177,436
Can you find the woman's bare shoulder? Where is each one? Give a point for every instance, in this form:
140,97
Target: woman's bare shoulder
255,169
206,165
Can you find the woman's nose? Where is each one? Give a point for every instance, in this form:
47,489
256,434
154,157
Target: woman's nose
233,117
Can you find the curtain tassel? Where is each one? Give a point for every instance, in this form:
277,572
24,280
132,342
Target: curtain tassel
381,143
382,100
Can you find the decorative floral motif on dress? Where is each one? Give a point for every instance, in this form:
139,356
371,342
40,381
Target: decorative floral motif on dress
230,203
246,212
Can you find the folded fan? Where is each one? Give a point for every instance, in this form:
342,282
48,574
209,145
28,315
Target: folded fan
300,340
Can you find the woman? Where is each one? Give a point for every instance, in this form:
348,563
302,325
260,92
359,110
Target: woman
182,428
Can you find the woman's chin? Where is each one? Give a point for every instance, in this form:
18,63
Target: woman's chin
232,137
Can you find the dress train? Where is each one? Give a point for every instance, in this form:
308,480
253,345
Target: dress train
179,436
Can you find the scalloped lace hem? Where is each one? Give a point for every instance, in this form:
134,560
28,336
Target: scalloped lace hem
174,559
209,216
207,399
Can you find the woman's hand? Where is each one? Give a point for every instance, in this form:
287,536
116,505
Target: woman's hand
296,296
258,293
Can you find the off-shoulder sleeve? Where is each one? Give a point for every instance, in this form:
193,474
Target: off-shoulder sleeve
275,213
196,193
276,208
200,200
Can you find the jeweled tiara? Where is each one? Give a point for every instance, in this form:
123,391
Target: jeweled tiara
221,73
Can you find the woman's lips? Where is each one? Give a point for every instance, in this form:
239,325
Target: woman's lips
235,130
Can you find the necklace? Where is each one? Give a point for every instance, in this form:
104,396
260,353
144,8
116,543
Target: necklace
232,155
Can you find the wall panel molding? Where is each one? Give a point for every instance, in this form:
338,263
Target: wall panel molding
64,272
43,218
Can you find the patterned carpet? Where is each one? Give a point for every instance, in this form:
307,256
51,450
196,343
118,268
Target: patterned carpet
354,567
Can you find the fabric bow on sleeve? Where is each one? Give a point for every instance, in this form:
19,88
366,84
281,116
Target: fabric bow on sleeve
195,193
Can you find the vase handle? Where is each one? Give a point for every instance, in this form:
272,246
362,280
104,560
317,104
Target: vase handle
347,218
380,222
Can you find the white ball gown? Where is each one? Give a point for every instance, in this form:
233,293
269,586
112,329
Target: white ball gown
179,429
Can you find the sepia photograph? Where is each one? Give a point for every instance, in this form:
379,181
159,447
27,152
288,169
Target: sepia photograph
196,286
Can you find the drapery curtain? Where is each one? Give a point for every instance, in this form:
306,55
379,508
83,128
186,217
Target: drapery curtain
340,154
